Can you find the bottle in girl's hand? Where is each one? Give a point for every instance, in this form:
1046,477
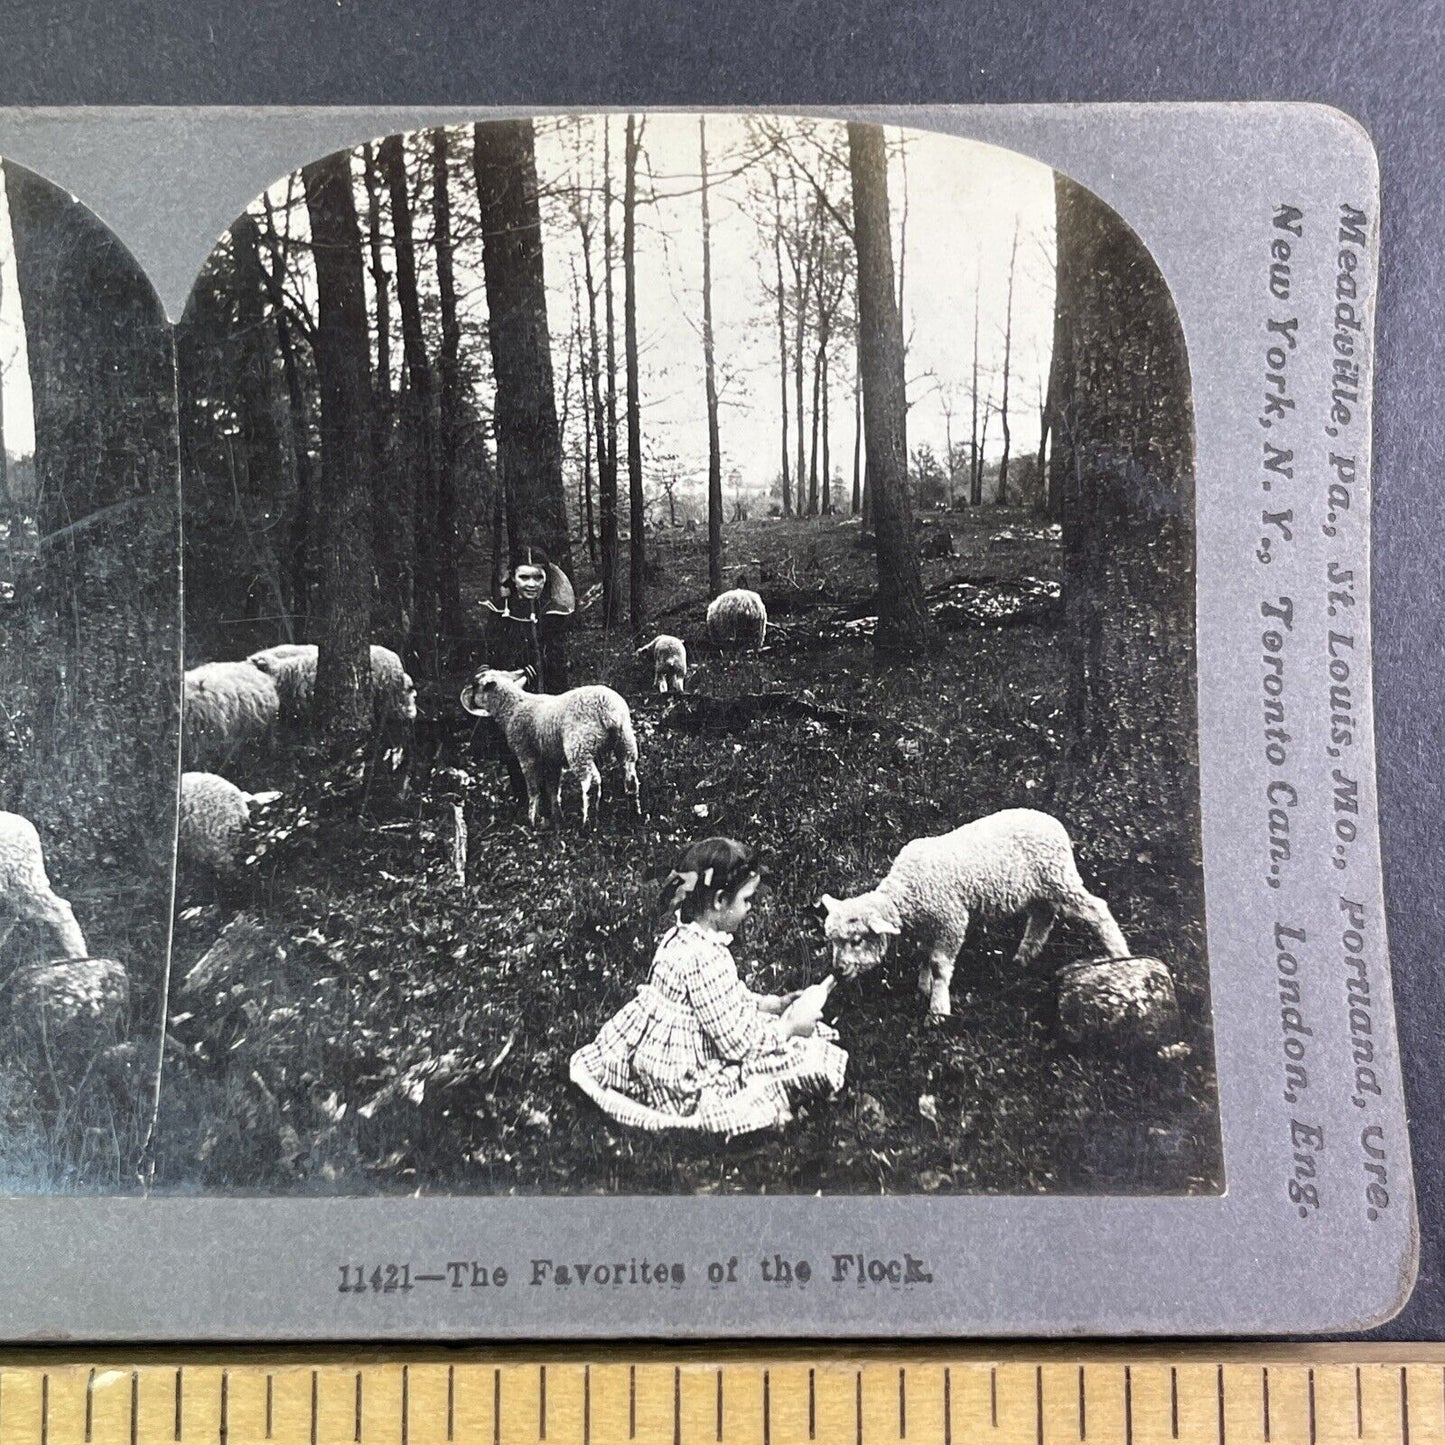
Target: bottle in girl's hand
808,1006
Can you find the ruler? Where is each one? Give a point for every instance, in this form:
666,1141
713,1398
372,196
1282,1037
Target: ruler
1304,1395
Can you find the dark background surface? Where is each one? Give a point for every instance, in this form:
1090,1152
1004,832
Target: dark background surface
1384,65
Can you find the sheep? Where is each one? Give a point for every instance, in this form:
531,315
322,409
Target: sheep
25,891
556,735
292,666
1007,863
214,817
669,662
225,706
737,619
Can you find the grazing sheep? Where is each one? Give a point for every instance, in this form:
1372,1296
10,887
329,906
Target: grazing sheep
292,666
25,891
554,736
225,706
1007,863
669,662
214,816
737,619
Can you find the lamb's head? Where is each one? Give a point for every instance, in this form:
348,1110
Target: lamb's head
408,698
859,930
493,692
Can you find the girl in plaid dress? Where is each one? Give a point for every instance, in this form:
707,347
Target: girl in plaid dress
696,1048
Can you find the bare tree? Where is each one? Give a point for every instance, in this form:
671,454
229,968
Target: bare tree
637,576
1008,333
449,410
714,443
975,480
903,621
529,447
782,339
343,368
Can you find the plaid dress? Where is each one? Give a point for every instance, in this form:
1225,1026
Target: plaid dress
694,1050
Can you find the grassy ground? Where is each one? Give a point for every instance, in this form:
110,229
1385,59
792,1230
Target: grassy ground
416,1033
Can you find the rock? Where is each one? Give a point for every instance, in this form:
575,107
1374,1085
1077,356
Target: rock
1122,1003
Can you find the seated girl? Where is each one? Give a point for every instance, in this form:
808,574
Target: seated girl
697,1049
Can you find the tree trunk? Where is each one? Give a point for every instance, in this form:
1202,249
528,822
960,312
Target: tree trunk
302,563
598,433
406,530
827,456
813,447
802,289
975,452
637,581
903,621
611,553
1124,446
714,443
529,448
857,441
1008,328
1054,477
393,606
343,610
448,546
782,341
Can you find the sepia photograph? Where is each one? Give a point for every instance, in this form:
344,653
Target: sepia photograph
89,694
689,679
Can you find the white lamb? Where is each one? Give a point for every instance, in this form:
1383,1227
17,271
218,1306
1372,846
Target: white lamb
555,736
737,619
292,666
214,817
669,662
1007,863
25,891
225,706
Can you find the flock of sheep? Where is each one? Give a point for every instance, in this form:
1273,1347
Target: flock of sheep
1014,862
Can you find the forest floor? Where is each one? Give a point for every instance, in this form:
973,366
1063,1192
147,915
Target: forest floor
412,1032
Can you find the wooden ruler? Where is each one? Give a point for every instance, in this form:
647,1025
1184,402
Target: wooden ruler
1268,1395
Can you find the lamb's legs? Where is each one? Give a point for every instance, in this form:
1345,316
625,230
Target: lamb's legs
591,781
1094,912
1036,933
941,958
534,791
630,784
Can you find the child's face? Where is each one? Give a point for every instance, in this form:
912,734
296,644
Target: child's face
728,913
529,581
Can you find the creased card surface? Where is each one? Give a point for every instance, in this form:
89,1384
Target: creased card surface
928,548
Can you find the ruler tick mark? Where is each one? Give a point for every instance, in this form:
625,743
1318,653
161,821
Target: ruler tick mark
542,1402
1173,1403
45,1408
767,1408
225,1428
947,1406
451,1402
993,1397
632,1402
1264,1395
270,1394
179,1420
1083,1407
1359,1404
677,1404
1404,1407
1128,1406
1311,1394
858,1406
134,1405
812,1407
496,1407
89,1405
720,1404
315,1403
356,1427
586,1405
1039,1404
1219,1386
406,1405
902,1404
